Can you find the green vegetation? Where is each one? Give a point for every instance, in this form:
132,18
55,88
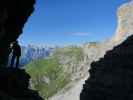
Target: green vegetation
75,52
48,75
50,69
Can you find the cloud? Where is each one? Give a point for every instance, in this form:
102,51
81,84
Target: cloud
80,34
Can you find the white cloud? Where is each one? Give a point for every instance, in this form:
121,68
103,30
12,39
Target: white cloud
80,34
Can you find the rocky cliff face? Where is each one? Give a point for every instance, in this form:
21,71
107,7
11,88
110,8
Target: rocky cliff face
125,22
13,16
14,83
111,76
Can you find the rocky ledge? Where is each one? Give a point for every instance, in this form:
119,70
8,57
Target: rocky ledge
14,85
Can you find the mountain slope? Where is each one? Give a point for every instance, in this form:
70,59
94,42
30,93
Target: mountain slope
57,75
52,74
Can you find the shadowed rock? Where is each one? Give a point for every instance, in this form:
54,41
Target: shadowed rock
14,85
111,76
14,82
13,16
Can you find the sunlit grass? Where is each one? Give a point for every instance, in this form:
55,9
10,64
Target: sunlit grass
48,75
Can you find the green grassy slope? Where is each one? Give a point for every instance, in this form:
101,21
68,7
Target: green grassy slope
48,75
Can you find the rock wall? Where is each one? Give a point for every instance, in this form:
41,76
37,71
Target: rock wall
125,22
14,83
13,16
111,76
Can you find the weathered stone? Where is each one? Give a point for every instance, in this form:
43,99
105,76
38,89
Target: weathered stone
111,78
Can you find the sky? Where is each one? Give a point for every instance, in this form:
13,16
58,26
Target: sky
64,22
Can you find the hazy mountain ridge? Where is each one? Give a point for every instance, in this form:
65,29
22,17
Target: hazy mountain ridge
32,52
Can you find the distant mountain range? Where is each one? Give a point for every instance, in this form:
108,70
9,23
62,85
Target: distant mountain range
32,52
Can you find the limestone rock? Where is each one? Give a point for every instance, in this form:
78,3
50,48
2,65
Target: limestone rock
111,76
125,22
